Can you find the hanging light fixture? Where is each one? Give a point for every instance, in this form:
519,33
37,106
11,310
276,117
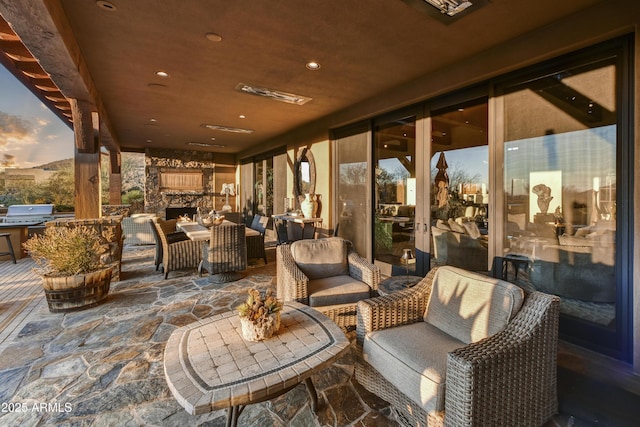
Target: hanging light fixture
450,7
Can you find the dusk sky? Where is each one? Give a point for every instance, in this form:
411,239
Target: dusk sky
30,134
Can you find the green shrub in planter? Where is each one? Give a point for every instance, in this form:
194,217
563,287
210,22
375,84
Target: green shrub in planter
66,251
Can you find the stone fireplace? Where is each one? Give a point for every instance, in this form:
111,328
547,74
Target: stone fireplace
187,178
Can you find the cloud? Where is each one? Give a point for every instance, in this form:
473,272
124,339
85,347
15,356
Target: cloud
8,161
15,129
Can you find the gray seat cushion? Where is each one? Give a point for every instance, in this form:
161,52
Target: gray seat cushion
320,258
470,306
414,359
336,290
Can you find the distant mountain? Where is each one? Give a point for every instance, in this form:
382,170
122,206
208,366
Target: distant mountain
57,165
132,169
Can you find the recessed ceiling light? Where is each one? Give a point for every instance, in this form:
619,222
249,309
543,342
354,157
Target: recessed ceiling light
152,120
105,5
242,116
213,37
149,141
276,95
313,65
227,128
161,73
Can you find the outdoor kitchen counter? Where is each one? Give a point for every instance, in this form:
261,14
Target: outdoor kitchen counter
19,235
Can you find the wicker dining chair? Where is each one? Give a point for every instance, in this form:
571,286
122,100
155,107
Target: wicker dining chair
178,251
225,255
280,227
326,274
433,378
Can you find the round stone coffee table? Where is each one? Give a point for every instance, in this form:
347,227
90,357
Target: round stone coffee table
397,283
209,366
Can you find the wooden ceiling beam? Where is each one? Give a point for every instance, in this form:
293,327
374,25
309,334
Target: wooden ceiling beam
43,28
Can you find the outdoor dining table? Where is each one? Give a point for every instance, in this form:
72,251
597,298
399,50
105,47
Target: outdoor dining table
209,366
198,232
195,231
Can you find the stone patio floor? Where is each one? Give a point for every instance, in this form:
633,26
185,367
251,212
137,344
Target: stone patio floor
104,366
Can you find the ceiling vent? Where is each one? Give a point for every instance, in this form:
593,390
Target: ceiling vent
277,95
227,129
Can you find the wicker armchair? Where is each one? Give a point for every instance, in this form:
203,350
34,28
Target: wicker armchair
506,378
326,274
225,255
178,251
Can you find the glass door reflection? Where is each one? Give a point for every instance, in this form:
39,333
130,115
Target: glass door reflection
459,190
395,195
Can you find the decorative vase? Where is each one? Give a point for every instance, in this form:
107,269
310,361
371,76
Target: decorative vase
259,331
309,206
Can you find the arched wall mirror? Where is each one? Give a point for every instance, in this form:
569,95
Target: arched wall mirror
305,174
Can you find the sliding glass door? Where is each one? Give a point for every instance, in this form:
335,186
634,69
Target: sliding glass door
395,194
352,184
263,183
563,159
539,172
460,186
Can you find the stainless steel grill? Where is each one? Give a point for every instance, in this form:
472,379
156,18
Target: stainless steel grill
28,214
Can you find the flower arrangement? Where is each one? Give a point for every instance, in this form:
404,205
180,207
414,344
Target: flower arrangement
66,251
260,315
209,219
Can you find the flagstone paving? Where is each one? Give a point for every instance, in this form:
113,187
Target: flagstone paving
104,366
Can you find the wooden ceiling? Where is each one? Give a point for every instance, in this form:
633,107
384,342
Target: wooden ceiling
108,53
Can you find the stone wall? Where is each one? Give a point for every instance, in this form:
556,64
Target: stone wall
116,210
157,161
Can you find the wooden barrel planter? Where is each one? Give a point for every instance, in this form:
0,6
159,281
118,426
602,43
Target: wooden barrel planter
77,292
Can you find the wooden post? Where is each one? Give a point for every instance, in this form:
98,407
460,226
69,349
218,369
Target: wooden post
83,126
87,185
115,178
86,161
